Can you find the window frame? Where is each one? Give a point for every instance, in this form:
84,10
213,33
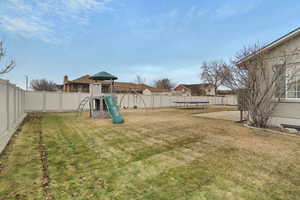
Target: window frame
297,78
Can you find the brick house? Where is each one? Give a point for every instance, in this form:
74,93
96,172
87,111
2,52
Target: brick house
82,84
203,89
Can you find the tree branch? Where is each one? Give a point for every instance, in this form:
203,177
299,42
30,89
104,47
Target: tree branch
7,67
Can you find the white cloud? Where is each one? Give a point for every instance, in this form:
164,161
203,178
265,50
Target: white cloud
41,19
230,9
171,20
195,12
79,5
177,19
21,25
27,28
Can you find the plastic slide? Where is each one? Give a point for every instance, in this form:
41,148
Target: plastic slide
113,110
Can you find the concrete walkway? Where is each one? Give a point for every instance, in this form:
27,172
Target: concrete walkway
225,115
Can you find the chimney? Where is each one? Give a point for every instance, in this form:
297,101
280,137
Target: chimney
66,79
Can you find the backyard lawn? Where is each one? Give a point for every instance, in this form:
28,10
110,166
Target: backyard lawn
157,154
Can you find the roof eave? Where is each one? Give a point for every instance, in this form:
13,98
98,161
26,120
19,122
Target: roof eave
270,46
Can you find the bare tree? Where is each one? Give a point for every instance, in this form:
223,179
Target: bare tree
8,66
236,76
213,73
43,85
140,80
259,83
164,83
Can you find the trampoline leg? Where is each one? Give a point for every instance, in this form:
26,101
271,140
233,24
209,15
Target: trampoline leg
241,115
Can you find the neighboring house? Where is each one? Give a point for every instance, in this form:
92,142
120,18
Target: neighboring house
181,93
288,108
82,84
204,89
148,90
226,92
60,87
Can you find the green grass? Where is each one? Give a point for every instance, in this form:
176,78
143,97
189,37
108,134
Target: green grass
158,154
21,174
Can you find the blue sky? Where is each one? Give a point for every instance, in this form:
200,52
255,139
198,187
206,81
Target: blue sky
151,38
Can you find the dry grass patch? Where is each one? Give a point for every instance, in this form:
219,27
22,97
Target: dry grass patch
165,154
21,171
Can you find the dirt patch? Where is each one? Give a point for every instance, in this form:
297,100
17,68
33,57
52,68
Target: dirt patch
44,160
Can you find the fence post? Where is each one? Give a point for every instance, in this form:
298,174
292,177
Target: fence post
23,96
18,103
44,101
79,97
7,105
15,109
151,101
128,96
60,101
160,101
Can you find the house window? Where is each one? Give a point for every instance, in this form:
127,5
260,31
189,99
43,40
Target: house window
293,82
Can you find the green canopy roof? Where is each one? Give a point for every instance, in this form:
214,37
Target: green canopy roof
103,76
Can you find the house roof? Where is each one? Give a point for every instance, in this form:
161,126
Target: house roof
272,45
153,89
83,79
226,92
103,76
86,79
193,86
120,86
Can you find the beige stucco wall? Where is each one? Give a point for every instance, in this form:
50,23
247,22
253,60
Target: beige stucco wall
287,111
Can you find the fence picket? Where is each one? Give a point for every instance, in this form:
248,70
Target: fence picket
11,110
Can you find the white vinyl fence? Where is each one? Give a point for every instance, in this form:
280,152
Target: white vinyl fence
12,101
15,102
68,102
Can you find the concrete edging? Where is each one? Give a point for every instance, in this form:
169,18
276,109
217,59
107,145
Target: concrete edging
272,131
